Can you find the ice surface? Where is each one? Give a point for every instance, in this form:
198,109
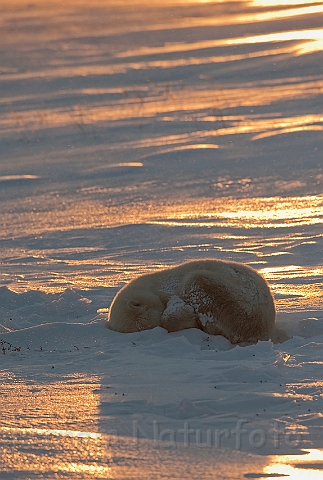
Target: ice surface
134,138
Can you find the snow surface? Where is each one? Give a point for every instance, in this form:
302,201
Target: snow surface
134,137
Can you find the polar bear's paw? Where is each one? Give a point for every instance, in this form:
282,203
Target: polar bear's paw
178,315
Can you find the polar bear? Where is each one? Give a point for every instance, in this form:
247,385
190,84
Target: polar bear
219,297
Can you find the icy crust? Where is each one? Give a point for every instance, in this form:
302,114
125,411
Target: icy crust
206,318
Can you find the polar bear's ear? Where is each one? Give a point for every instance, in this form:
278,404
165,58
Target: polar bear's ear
136,305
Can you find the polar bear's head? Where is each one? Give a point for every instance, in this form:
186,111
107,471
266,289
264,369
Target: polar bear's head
135,311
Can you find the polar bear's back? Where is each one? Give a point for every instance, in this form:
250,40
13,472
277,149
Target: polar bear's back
229,299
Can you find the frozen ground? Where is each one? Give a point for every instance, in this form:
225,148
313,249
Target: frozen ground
134,137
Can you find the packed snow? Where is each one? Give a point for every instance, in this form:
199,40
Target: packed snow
133,138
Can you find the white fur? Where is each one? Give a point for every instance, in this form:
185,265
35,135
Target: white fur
219,297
